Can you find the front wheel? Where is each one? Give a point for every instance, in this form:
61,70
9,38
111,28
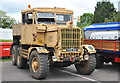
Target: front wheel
86,67
39,65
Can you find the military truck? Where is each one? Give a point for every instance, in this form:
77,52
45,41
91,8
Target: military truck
47,37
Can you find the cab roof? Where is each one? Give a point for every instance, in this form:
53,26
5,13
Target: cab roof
49,10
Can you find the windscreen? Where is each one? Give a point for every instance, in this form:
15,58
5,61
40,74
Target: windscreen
47,18
45,15
63,18
51,18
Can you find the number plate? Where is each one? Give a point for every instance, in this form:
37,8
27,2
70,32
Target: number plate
71,50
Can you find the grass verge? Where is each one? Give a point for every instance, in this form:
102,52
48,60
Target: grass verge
6,40
3,60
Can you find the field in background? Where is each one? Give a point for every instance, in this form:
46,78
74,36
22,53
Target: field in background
6,40
5,59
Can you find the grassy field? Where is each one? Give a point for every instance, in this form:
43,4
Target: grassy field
5,60
6,40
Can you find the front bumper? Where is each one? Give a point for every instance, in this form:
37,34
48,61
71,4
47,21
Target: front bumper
68,56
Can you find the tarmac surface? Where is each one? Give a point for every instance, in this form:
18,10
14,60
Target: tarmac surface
107,73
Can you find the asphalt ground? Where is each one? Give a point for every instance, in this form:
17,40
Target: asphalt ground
107,73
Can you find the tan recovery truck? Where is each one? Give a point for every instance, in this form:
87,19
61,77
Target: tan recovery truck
46,37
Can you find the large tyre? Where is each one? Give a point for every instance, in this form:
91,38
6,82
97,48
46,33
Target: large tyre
99,61
14,54
39,65
86,67
21,62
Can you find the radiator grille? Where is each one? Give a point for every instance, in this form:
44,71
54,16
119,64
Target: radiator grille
70,38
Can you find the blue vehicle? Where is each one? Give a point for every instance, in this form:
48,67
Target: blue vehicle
105,37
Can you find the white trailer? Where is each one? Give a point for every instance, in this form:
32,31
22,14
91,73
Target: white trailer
106,35
6,34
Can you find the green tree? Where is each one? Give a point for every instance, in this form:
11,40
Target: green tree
85,20
103,10
118,17
115,18
6,21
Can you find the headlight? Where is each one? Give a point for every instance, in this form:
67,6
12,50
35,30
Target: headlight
86,57
54,58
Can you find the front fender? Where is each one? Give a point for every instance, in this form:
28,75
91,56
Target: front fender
89,48
38,49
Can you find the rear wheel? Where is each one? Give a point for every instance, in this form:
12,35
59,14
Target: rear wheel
14,54
99,61
39,65
21,62
86,67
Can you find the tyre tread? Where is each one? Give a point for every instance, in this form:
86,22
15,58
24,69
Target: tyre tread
90,66
44,65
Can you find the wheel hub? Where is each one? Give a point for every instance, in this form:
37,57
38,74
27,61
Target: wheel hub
35,64
13,59
18,59
13,56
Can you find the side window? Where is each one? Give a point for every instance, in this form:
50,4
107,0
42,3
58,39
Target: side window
23,18
27,18
63,18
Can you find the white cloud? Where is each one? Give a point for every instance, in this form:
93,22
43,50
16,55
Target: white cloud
16,16
13,7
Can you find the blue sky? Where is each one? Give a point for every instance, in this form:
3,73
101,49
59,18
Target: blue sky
13,7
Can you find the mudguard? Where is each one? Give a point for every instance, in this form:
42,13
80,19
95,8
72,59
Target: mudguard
38,49
89,48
